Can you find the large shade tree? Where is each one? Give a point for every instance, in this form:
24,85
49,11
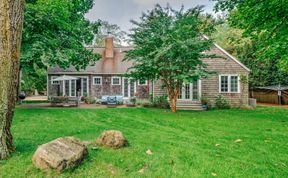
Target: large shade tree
11,20
265,23
263,72
55,33
169,45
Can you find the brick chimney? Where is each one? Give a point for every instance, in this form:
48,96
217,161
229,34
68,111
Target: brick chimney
109,47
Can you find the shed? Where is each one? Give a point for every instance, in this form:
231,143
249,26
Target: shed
271,94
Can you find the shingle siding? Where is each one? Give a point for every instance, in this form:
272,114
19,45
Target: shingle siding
107,68
210,85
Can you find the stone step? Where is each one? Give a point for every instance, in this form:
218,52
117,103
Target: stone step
190,109
188,104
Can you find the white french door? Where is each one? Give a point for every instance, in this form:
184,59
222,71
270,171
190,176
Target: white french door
190,91
69,88
129,88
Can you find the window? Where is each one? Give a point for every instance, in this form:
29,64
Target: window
97,80
116,80
69,88
142,82
54,82
229,84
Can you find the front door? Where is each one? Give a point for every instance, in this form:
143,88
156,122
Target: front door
190,91
129,88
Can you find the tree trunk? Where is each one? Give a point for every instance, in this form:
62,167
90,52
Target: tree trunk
11,22
173,96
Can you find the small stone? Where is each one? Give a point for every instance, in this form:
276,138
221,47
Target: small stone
217,144
141,170
213,174
238,141
149,152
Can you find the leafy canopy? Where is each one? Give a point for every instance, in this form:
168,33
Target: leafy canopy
168,44
263,72
55,33
265,22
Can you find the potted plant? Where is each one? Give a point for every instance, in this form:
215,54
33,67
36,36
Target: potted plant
204,102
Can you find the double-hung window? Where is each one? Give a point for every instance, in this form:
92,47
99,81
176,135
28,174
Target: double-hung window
229,84
97,80
116,80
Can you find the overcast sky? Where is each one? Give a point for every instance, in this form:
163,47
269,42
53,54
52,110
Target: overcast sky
120,12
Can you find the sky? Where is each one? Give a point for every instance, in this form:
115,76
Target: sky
120,12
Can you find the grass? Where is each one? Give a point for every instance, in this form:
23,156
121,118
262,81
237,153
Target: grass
183,144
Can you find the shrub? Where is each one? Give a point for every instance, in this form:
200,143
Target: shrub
133,100
143,102
204,100
89,100
221,103
161,102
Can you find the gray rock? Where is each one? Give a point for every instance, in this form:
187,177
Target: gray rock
60,154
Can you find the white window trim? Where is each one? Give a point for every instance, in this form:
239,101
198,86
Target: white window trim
115,78
100,80
129,88
229,83
146,83
52,81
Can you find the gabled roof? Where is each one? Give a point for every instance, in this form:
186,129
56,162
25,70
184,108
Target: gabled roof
114,65
229,55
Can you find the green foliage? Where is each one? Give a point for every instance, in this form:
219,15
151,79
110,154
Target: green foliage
89,100
182,143
143,102
263,72
161,102
169,45
204,100
221,103
34,81
132,100
55,32
265,23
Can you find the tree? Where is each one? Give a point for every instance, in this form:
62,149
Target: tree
105,28
55,33
169,45
11,21
264,22
263,72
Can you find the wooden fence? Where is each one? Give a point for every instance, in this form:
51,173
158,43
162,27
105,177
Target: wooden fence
269,96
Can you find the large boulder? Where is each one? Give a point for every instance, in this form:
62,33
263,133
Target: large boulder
60,154
112,139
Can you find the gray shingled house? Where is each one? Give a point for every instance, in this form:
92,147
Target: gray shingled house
105,78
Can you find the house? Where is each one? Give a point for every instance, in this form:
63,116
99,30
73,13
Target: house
105,78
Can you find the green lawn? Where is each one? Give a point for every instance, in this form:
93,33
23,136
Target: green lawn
183,144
